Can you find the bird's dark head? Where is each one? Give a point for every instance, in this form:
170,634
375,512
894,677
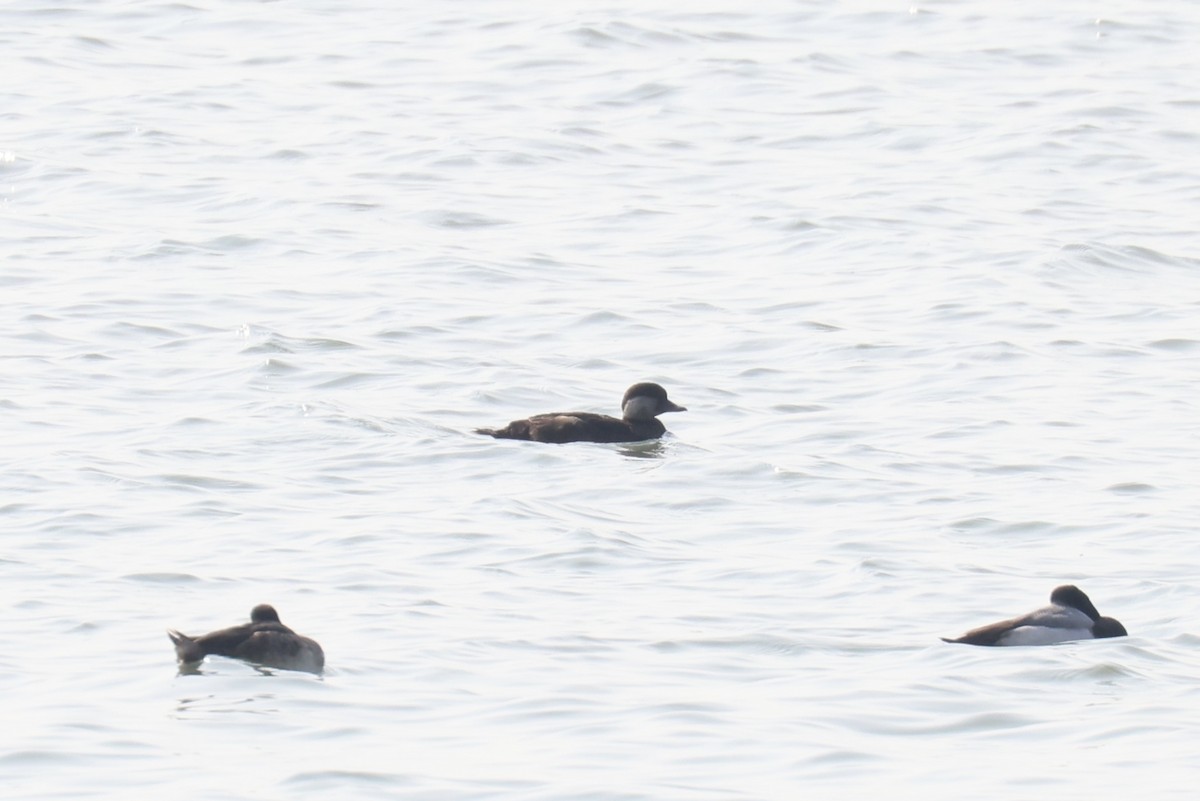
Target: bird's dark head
264,613
645,401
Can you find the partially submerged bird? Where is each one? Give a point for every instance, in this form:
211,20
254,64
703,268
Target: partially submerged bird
264,641
1070,616
639,421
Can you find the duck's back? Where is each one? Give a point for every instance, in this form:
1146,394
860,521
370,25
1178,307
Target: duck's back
560,427
1045,626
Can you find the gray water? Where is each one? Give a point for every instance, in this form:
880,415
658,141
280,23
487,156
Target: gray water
925,276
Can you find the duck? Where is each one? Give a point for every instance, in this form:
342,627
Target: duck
264,641
640,408
1070,616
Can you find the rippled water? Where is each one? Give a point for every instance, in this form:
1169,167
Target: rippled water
925,277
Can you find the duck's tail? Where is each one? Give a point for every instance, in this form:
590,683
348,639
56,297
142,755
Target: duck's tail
186,649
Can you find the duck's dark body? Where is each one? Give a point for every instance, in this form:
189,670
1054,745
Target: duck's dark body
577,427
639,421
1070,616
264,641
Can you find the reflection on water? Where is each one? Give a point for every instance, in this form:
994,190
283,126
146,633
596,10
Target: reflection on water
652,449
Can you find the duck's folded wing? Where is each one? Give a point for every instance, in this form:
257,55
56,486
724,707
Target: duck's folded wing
227,642
578,427
990,634
288,651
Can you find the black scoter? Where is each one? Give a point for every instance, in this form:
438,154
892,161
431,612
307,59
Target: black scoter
639,412
264,641
1070,616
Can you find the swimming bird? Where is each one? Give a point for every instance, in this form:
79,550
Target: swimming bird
1070,616
264,641
639,421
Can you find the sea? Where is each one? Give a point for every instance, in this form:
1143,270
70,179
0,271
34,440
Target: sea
926,276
